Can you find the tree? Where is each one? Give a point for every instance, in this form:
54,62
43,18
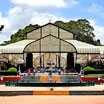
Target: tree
98,42
1,27
81,29
21,34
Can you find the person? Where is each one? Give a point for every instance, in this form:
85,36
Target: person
42,69
59,71
81,72
62,70
29,71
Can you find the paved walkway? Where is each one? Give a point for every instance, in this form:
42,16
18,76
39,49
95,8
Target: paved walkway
52,100
84,88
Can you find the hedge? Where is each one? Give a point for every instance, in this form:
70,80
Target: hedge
12,69
88,68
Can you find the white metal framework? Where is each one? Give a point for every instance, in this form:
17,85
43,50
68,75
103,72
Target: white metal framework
50,44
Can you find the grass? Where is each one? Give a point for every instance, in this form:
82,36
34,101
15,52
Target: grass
94,75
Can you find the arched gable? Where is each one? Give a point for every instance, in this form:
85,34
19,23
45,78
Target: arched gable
48,29
49,43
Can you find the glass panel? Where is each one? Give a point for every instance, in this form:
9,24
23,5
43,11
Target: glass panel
33,47
67,47
50,44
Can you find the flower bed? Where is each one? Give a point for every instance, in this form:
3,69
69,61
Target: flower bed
92,79
9,78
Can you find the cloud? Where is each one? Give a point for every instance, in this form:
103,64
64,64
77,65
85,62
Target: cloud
41,3
98,31
45,18
45,3
24,12
19,17
72,3
97,10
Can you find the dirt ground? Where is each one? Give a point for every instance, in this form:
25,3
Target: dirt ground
98,99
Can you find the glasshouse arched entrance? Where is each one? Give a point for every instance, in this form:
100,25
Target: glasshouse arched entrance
49,45
50,51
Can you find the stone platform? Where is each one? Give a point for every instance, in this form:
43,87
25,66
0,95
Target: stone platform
14,91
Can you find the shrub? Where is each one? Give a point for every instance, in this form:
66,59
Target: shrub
7,73
88,68
12,69
3,65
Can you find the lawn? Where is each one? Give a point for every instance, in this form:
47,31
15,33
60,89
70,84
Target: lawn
94,75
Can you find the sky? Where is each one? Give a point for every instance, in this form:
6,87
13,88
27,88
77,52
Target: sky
16,14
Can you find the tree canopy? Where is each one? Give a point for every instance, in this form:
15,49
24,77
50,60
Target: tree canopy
81,28
1,27
21,34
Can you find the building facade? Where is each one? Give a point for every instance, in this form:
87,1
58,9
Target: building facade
49,45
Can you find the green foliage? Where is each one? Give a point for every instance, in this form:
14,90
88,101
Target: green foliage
12,69
21,34
88,68
81,28
94,75
1,27
32,77
3,66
